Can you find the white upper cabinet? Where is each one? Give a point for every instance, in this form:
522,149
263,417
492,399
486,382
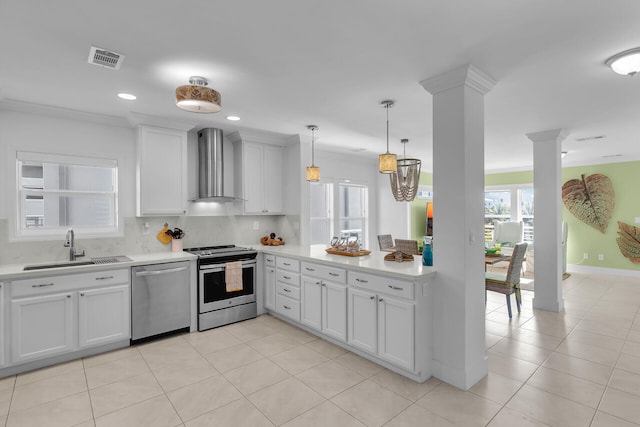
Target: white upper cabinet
161,171
258,175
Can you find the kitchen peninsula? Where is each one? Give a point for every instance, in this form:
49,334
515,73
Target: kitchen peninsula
379,309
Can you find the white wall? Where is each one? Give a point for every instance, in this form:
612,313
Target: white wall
74,133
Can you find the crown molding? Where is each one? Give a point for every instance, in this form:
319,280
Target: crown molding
558,135
466,75
137,119
263,137
60,112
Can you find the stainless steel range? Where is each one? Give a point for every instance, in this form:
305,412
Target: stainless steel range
223,297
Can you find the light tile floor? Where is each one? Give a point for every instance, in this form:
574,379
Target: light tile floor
580,367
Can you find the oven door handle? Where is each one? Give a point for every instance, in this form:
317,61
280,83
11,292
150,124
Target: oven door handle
158,272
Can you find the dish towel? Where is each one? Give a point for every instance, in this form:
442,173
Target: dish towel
233,276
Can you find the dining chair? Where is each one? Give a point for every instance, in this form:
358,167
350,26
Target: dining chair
385,241
509,283
407,246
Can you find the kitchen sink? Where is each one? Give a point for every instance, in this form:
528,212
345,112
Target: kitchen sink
92,261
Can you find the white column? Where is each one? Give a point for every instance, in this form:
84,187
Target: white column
459,355
547,222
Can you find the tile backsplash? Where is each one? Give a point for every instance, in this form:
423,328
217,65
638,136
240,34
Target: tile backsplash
199,231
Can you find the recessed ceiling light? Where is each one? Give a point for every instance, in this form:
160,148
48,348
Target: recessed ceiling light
233,118
127,96
626,63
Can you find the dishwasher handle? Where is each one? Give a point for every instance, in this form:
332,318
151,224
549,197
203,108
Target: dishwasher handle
158,272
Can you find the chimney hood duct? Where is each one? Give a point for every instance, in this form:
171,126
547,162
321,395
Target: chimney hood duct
211,167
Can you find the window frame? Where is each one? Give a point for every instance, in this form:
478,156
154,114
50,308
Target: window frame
516,214
21,193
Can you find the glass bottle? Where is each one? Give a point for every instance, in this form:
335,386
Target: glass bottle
427,255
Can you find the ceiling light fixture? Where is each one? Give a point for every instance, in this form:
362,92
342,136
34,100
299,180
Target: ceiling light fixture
127,96
197,97
626,63
387,162
233,118
404,182
313,171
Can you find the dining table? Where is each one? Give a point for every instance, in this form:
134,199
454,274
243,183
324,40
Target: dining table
492,259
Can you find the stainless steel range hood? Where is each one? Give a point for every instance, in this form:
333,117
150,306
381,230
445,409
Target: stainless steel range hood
211,167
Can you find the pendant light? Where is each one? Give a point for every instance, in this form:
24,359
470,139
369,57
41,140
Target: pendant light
387,161
404,182
313,171
197,97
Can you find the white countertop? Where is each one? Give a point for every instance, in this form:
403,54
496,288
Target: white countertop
372,263
16,271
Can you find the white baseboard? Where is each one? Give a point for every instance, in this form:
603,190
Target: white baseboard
587,269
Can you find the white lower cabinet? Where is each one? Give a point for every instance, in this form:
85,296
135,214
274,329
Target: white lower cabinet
103,315
396,331
363,320
382,326
270,287
3,323
324,307
62,314
374,314
41,326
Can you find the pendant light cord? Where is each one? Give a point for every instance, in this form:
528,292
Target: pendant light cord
387,107
313,138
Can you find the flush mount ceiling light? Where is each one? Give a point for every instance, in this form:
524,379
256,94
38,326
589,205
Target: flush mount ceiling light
404,182
233,118
197,97
313,171
626,63
387,161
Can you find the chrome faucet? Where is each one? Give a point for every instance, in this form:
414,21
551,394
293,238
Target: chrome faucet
69,242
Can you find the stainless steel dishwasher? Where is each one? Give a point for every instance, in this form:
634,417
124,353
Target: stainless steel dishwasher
160,299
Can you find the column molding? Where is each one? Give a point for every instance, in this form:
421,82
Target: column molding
547,184
458,303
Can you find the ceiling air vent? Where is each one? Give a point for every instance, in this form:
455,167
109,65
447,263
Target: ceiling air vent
105,58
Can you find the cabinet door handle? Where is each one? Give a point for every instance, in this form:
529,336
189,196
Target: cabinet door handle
396,288
104,278
310,269
81,294
68,296
380,300
361,280
323,284
372,297
286,290
333,274
286,277
286,263
287,307
42,285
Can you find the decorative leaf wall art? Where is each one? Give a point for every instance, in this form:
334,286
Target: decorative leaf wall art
629,241
590,199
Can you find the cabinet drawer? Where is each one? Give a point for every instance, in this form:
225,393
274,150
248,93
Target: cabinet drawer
288,277
288,291
270,260
380,284
288,264
68,282
288,307
337,275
